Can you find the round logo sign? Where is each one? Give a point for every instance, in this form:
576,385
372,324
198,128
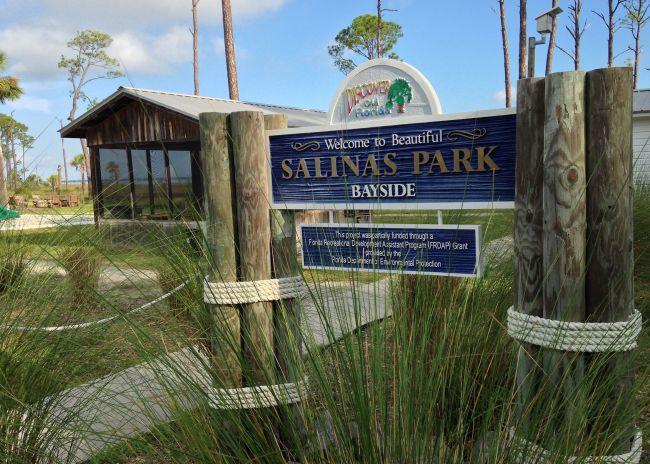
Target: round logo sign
380,89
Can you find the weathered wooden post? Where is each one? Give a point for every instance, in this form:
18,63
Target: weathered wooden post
529,219
585,272
254,231
221,233
610,263
564,235
285,264
286,313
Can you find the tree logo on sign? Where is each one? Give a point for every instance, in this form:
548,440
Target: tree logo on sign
400,93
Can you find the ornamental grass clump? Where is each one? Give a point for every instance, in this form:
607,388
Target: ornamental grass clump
12,269
83,267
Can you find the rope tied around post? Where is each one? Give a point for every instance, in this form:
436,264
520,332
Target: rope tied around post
229,293
261,396
587,337
530,453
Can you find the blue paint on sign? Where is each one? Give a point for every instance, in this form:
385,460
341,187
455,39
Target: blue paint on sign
451,163
448,250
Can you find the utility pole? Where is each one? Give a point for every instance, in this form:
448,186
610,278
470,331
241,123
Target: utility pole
229,43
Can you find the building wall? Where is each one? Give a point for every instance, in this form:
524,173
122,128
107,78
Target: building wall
641,149
139,122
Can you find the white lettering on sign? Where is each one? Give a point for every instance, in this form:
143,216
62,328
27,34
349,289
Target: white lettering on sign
383,191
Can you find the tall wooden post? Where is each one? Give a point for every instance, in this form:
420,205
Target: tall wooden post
564,232
286,313
610,263
529,220
254,232
221,233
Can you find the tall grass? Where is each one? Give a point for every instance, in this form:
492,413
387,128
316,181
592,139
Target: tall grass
416,370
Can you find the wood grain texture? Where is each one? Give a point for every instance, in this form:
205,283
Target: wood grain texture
528,239
609,279
564,248
564,197
286,314
610,254
220,231
254,238
140,122
529,214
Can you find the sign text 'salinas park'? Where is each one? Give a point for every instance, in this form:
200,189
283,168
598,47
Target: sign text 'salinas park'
437,163
387,145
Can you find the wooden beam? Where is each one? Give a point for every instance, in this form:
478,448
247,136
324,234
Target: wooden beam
564,242
254,240
221,232
610,263
528,240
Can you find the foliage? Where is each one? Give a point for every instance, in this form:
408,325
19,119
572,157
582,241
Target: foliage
360,38
83,268
9,86
89,55
399,92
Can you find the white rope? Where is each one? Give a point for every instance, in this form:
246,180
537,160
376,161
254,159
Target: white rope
530,453
229,293
83,325
592,337
263,396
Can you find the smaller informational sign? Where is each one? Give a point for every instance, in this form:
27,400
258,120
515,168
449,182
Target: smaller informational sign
445,250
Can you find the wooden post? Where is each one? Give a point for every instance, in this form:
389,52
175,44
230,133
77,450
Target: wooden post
610,264
286,313
564,235
529,219
254,231
285,264
221,232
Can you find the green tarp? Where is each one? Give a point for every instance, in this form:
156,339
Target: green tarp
8,213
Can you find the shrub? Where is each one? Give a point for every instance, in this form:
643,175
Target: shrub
83,267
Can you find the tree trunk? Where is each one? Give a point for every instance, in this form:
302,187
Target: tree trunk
522,39
380,52
82,169
576,29
551,42
610,35
637,52
506,50
195,44
65,161
3,183
229,43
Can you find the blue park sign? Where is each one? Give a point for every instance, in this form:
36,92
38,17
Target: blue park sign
455,161
446,250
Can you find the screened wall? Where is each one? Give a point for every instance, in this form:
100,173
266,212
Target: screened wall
148,182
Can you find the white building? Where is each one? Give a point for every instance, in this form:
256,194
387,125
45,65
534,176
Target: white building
641,136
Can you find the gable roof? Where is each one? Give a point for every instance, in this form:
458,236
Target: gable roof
641,101
187,105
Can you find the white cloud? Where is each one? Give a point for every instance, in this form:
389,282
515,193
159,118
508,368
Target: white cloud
152,54
29,103
500,95
148,35
114,15
33,52
218,45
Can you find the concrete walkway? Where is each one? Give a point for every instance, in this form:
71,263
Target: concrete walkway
44,221
111,409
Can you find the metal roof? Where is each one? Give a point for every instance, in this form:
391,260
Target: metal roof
186,105
641,101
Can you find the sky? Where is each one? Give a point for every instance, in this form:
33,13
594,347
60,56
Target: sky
281,50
